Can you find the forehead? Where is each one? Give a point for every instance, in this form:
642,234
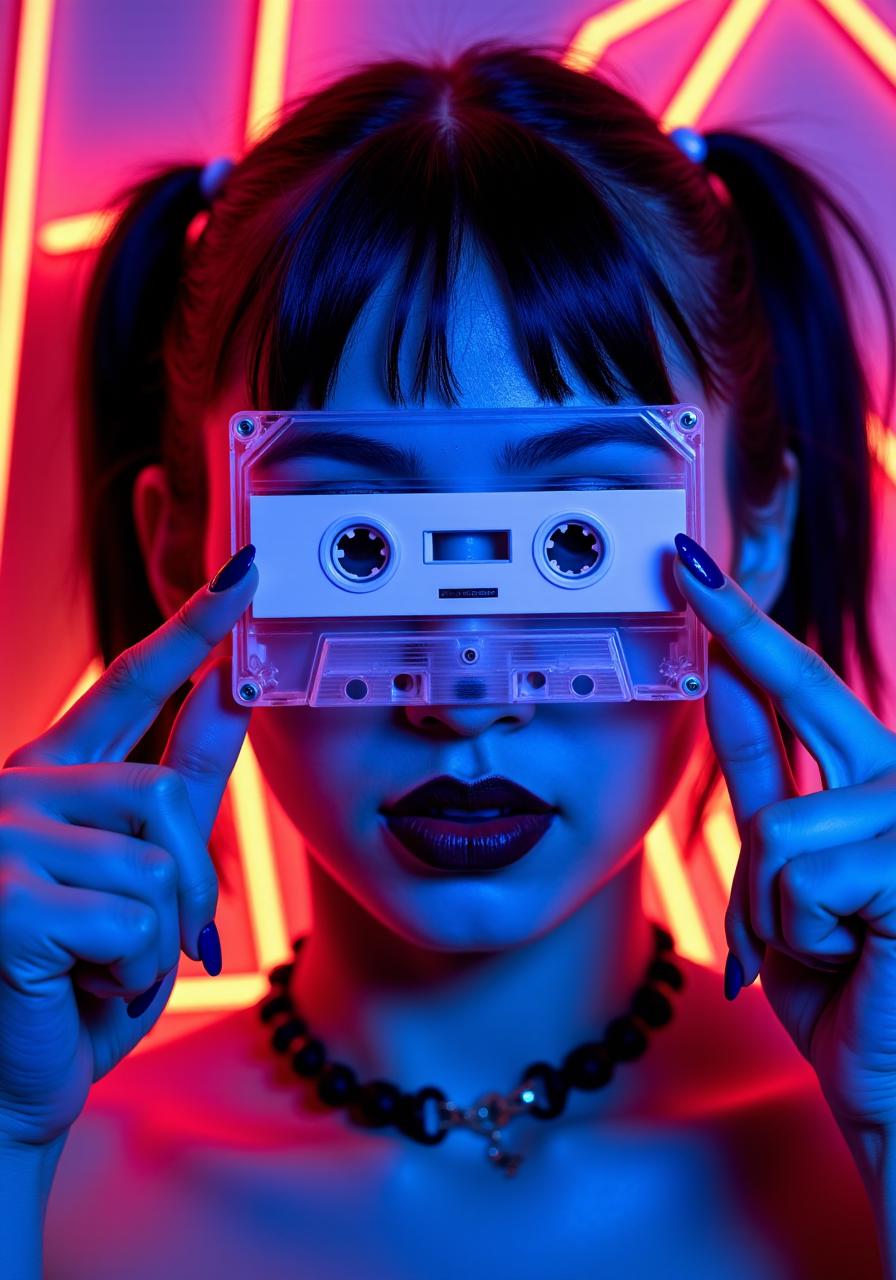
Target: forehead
485,350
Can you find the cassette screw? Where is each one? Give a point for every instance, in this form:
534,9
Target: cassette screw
692,684
687,420
469,655
249,692
245,427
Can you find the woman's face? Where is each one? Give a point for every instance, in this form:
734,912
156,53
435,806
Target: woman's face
607,768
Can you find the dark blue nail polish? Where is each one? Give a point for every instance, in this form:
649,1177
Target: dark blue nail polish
734,976
236,567
142,1002
698,560
210,949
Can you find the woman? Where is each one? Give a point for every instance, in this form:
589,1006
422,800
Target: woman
498,231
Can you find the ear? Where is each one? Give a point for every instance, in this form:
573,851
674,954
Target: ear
169,541
762,545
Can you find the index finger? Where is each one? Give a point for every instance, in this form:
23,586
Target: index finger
114,714
205,742
746,739
848,741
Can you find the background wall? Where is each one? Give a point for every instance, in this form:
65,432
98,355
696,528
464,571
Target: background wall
92,91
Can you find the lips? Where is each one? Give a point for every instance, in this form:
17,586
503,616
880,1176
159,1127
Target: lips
454,793
457,825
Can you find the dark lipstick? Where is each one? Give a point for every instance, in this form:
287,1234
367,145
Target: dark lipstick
468,826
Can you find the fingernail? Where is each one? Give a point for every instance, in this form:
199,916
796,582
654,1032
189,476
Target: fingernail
236,567
142,1002
210,949
734,976
698,560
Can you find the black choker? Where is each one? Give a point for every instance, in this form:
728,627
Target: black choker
542,1091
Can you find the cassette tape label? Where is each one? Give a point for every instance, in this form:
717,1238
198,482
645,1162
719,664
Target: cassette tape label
360,546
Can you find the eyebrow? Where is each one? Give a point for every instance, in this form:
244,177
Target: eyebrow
521,454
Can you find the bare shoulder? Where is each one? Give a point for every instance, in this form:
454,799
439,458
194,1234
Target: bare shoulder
208,1148
150,1162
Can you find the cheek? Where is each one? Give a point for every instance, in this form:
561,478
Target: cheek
330,769
621,767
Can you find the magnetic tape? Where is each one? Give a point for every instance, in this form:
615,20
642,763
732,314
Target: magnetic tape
467,555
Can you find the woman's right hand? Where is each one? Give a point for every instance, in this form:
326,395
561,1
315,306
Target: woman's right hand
105,872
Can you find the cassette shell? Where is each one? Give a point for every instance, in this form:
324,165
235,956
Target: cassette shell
395,587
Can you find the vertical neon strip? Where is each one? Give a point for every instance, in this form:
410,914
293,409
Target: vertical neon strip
257,854
19,199
673,886
258,860
268,66
882,442
723,844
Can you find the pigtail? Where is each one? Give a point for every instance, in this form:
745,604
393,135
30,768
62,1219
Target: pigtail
121,399
822,396
120,391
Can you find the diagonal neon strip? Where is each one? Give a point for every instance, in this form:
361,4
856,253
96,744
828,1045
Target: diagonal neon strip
713,63
19,199
871,34
76,233
595,35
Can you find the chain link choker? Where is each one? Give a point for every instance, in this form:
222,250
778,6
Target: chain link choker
427,1115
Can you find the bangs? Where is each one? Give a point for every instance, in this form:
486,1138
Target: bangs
578,272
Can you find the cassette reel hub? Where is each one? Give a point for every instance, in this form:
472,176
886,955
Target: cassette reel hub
359,554
572,549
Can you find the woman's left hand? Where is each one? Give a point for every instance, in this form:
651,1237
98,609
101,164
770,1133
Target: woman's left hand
813,898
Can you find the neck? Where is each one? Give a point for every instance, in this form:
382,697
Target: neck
467,1021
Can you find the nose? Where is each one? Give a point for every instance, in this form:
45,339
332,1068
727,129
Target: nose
467,714
468,721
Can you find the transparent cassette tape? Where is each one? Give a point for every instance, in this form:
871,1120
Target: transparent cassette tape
467,555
